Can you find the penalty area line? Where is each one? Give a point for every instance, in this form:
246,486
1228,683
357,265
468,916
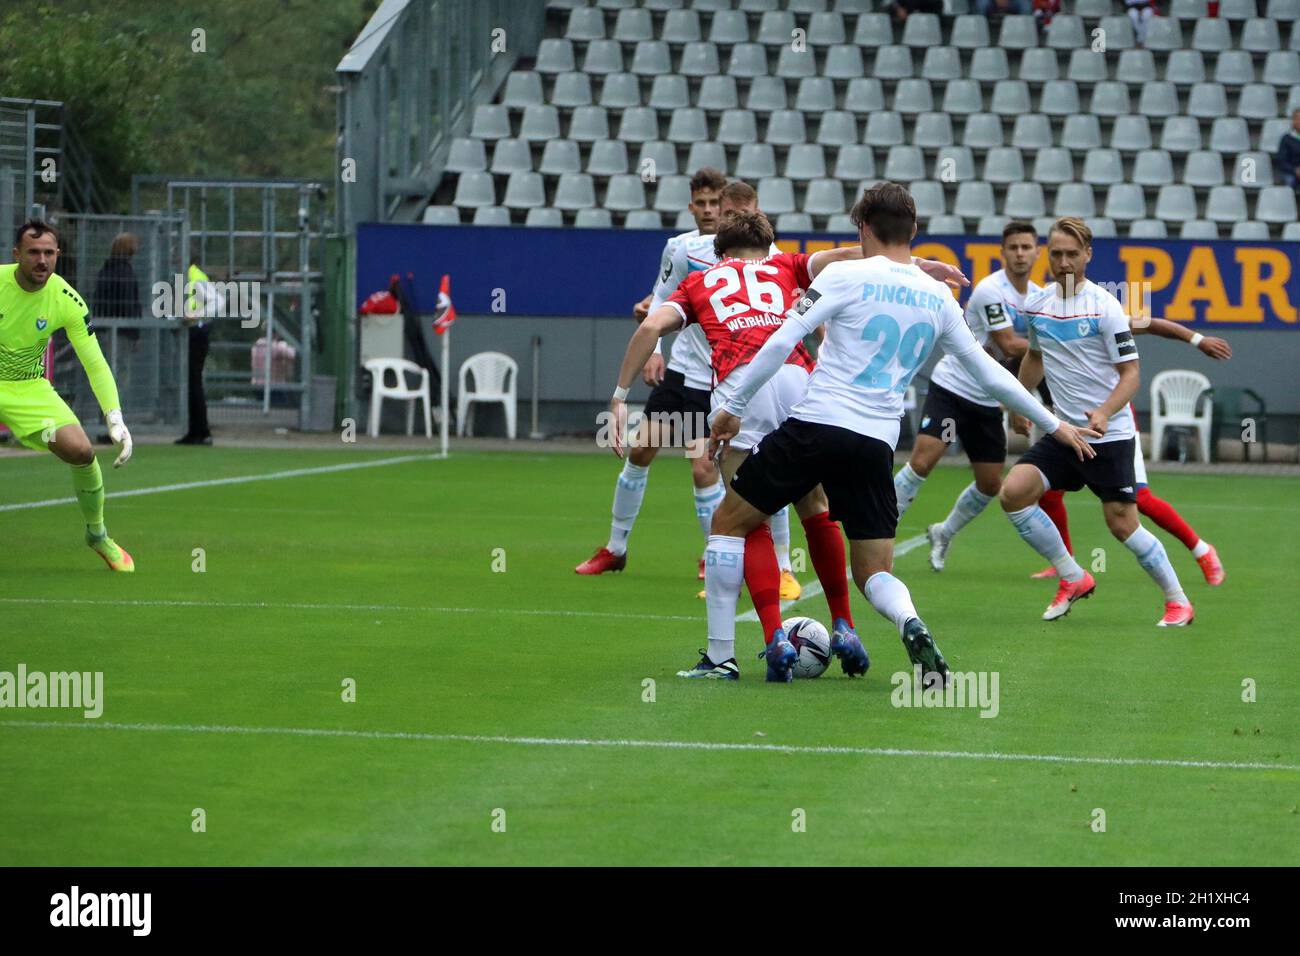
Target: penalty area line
998,756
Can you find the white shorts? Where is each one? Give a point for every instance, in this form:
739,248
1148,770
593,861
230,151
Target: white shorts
1139,463
769,407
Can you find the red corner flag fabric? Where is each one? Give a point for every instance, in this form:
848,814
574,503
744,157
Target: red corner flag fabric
446,313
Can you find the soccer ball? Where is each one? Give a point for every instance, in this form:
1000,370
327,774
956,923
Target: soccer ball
812,642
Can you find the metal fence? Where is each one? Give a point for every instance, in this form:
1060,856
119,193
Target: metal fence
17,170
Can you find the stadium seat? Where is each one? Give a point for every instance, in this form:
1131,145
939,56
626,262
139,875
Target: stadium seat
793,222
1153,167
974,200
690,125
593,219
639,124
382,370
680,26
511,156
1258,101
945,226
825,197
633,25
671,92
699,59
982,131
1188,9
991,225
795,64
969,32
466,155
816,94
1066,32
1180,134
756,161
574,191
913,96
620,91
922,30
904,163
1129,134
491,216
650,58
625,193
644,219
873,30
1250,229
1053,165
1164,34
826,29
1082,132
728,27
776,28
657,155
1103,228
837,128
929,199
1061,98
1135,67
1185,67
1101,167
1019,32
1074,199
672,193
1043,224
1260,35
1010,97
1109,98
1084,67
718,93
495,376
1282,68
555,56
585,23
1237,9
560,156
475,189
1176,203
841,223
571,89
545,216
893,63
933,130
1207,100
1252,170
441,216
523,88
1118,31
1234,68
884,129
1158,99
954,164
1291,232
855,162
1003,164
608,157
804,161
1211,36
1147,229
588,124
766,93
942,63
1039,65
1175,400
605,56
540,123
685,222
1283,10
1024,201
1271,133
1276,204
1204,168
615,4
776,195
706,154
865,95
1125,202
747,60
490,122
989,64
964,96
1198,229
784,127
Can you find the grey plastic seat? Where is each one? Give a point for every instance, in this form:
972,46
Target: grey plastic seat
1185,67
1074,199
1282,68
1276,204
776,195
893,63
1164,34
491,216
475,189
1260,35
1226,203
1053,165
713,155
873,30
766,93
718,93
904,163
1147,229
991,225
490,122
643,219
657,155
1158,99
441,216
837,128
699,58
1010,97
1066,32
1198,229
1135,67
841,224
793,222
922,30
816,94
651,58
747,59
844,62
971,32
604,56
1109,99
855,162
982,131
466,155
929,199
1283,10
571,89
1271,133
1102,227
776,28
1180,134
704,6
825,197
620,90
945,226
1257,101
974,199
593,218
1251,230
1024,201
1252,170
625,193
680,26
1061,97
913,96
512,156
575,191
954,164
1130,133
1085,66
672,193
794,64
1291,231
989,64
1153,167
589,123
638,124
805,161
1204,168
611,4
784,127
884,128
670,92
1118,30
690,124
728,27
555,56
964,96
1211,36
1081,131
864,95
1004,164
755,161
1019,32
1237,9
523,88
941,63
544,216
585,23
1176,203
1234,68
559,156
933,130
540,123
608,157
1101,167
1125,202
1207,100
1039,65
633,25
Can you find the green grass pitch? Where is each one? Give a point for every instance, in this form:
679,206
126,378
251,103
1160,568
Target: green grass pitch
390,576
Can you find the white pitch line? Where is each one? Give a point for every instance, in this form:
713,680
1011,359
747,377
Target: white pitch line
814,589
239,480
647,744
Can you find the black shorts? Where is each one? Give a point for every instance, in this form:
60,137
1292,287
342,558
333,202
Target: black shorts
1109,476
856,472
979,427
684,410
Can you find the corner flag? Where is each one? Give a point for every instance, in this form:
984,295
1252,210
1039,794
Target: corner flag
446,312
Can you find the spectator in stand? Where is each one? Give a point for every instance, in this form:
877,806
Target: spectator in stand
899,9
995,10
117,296
1140,12
1287,162
1044,10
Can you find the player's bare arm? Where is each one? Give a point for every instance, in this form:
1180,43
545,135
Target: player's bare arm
639,350
1012,345
1129,378
642,308
942,271
1214,347
1030,375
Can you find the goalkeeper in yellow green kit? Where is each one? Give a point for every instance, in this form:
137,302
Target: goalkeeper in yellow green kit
34,302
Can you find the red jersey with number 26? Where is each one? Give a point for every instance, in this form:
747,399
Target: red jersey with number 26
740,303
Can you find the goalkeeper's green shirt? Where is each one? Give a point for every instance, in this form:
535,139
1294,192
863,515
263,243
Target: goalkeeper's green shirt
28,319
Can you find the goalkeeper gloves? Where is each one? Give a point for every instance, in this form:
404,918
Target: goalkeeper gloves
121,437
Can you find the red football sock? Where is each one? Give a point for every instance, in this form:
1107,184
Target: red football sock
826,548
1053,502
763,578
1163,514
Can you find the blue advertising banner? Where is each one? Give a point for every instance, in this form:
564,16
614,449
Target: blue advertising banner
602,272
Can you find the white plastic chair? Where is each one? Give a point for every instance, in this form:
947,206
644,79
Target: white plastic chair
380,390
495,374
1174,394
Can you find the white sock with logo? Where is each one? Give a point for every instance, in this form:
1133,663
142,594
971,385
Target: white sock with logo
706,502
724,575
1040,534
969,504
906,484
781,537
628,494
1154,559
890,597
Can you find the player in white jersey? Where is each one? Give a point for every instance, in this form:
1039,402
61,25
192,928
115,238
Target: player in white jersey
1079,337
680,399
957,407
883,316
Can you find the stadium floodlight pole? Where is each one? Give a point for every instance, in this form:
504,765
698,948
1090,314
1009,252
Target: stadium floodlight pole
444,389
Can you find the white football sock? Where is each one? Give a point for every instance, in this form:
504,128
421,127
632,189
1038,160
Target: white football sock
1201,549
969,504
781,537
890,597
1154,559
706,502
1040,534
627,504
724,575
906,484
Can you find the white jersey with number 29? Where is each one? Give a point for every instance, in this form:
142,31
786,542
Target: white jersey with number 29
883,319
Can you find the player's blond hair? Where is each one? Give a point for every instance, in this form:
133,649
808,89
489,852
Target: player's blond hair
1075,228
